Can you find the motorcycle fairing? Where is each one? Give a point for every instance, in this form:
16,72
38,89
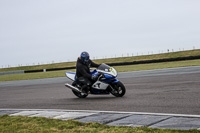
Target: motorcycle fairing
108,78
71,75
112,73
100,85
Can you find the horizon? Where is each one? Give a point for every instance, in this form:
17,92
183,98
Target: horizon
172,51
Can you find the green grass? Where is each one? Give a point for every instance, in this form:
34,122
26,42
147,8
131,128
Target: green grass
110,60
158,65
38,75
118,68
23,124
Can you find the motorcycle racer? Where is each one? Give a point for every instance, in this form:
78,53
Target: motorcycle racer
83,75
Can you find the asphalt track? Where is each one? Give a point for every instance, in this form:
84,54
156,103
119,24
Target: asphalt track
174,90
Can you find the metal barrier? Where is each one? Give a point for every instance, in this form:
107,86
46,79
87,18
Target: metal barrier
111,64
12,72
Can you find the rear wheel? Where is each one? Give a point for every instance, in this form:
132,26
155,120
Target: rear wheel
118,89
80,95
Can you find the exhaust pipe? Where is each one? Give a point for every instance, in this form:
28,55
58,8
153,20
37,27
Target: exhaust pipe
72,87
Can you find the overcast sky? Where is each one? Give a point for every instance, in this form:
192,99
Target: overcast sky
42,31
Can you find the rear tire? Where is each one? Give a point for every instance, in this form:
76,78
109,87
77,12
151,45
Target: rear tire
119,89
79,95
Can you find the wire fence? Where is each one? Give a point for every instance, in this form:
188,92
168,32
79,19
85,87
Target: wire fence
104,57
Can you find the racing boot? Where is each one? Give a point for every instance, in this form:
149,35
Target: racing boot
74,83
85,89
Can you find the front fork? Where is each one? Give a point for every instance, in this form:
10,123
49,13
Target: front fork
113,90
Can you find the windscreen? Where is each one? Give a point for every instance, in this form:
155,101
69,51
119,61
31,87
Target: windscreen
105,67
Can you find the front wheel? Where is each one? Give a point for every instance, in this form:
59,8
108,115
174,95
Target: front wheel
118,89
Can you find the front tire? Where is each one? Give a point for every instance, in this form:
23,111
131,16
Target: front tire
118,89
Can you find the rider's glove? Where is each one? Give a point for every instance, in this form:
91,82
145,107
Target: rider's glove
94,77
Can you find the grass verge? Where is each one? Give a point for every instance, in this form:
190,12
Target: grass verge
24,124
110,60
138,67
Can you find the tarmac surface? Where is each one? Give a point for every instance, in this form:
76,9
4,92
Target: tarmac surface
163,91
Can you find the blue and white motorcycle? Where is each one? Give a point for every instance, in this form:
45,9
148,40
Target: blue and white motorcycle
105,84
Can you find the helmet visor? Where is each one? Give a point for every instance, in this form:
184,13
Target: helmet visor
85,59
